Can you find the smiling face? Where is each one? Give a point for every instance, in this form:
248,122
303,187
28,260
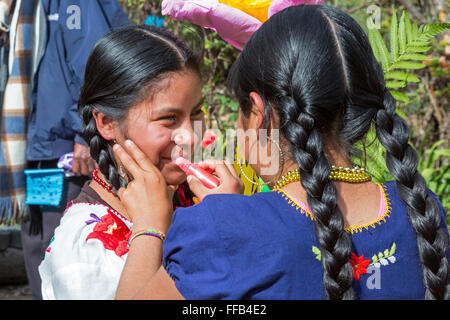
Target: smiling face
163,124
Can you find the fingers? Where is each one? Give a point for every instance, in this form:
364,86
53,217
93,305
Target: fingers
135,161
197,187
76,166
127,161
219,167
171,189
230,181
82,164
91,165
139,156
84,167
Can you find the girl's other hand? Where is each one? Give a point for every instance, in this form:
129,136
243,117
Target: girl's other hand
147,198
229,180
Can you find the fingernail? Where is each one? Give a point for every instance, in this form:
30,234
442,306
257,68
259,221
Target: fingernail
116,147
129,143
189,179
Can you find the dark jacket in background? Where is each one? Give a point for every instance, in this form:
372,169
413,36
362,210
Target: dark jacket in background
70,30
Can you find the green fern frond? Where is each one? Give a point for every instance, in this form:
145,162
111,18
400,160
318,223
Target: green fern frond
408,43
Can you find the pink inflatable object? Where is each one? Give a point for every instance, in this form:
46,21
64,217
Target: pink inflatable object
233,25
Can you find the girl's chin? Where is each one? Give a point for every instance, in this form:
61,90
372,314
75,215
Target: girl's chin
173,174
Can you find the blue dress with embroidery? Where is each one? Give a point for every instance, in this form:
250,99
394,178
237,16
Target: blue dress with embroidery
264,247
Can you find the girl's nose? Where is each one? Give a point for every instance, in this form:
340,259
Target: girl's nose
184,137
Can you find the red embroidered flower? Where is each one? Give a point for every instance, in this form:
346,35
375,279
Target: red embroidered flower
359,265
111,231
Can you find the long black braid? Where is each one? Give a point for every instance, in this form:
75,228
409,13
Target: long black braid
423,211
306,147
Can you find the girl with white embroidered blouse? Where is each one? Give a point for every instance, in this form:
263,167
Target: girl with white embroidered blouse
142,84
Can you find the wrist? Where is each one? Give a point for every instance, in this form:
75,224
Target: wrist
155,233
144,224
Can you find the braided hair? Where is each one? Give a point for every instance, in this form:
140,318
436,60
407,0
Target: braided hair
313,65
124,69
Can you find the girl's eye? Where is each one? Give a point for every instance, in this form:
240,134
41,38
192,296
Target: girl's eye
197,113
169,118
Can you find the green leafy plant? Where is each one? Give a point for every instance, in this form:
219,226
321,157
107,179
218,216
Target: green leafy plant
408,45
438,180
373,157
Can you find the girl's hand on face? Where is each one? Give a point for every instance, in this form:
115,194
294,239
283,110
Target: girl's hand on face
229,180
147,198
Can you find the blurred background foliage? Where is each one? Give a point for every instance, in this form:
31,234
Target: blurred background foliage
426,107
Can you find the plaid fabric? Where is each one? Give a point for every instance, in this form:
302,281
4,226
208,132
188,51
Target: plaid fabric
16,104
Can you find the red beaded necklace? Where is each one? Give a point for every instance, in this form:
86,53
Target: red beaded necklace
103,184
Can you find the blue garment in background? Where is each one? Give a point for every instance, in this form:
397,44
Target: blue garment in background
261,247
73,28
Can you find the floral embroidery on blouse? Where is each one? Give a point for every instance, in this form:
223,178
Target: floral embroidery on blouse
111,231
360,264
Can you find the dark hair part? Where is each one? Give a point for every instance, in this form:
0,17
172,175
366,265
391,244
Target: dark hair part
314,65
124,69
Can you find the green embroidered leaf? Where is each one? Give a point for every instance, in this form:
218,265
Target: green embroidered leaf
386,253
374,258
317,252
392,252
380,255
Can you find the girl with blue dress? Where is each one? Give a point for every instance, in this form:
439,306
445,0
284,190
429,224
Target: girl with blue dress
325,231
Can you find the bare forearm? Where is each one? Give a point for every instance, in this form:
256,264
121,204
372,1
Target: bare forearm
143,261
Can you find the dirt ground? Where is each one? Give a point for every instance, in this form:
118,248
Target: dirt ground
15,292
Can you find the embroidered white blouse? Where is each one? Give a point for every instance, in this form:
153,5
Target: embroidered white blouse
87,253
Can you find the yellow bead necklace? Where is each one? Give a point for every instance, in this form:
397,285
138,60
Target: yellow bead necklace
351,175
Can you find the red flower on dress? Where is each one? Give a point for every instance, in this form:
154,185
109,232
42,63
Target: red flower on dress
111,231
359,265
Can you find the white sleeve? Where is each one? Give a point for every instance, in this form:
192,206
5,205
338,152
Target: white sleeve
86,255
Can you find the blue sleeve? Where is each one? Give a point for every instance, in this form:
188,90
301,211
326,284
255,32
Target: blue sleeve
195,257
82,26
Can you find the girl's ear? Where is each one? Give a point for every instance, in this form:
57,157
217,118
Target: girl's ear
257,109
105,125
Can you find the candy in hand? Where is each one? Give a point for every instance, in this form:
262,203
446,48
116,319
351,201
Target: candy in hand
208,179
